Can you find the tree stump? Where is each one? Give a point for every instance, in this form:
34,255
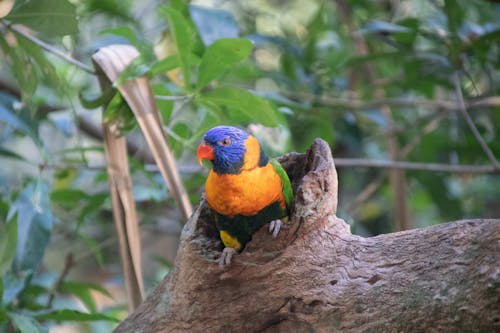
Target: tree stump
318,277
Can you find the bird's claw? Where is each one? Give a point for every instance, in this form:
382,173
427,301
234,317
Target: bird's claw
274,227
225,257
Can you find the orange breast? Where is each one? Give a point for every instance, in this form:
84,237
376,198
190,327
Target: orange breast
246,193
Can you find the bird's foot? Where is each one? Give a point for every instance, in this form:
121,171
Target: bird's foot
274,227
225,257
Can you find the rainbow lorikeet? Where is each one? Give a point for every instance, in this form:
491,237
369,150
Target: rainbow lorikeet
244,190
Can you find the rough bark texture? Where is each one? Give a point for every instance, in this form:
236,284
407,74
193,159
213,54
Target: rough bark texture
318,277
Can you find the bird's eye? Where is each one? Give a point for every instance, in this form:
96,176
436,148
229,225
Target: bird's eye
224,142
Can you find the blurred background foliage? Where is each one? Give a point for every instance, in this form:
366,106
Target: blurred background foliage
378,80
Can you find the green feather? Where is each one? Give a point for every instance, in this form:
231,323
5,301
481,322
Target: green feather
287,186
243,227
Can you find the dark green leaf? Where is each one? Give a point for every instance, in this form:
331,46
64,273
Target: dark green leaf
73,315
26,324
8,241
242,103
50,17
184,40
34,225
213,24
221,56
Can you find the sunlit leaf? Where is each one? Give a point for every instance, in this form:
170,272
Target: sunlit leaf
221,56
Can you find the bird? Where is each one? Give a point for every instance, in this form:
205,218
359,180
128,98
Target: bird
244,189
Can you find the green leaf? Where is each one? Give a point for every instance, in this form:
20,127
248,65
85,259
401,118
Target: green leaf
22,68
144,47
68,197
184,40
73,315
95,248
34,225
82,291
164,107
50,17
94,101
220,57
8,241
244,103
44,66
137,68
165,65
26,324
119,111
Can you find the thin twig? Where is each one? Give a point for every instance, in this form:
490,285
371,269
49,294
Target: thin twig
436,167
358,104
470,123
68,264
48,47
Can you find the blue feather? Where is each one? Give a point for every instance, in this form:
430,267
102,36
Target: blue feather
228,159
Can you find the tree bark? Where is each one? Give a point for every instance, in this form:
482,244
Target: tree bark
318,277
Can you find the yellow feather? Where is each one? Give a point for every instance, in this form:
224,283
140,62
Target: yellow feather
229,241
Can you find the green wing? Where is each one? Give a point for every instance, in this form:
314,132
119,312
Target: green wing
287,186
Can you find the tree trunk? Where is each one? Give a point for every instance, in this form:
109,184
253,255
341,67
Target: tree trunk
318,277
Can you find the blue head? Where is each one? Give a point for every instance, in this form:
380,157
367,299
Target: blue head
225,147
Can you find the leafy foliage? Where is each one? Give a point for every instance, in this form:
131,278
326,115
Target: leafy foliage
296,68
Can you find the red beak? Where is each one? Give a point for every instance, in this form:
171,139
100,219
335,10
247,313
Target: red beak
205,151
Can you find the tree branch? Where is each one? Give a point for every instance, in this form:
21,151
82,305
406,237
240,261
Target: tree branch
358,104
436,167
470,123
318,277
47,47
